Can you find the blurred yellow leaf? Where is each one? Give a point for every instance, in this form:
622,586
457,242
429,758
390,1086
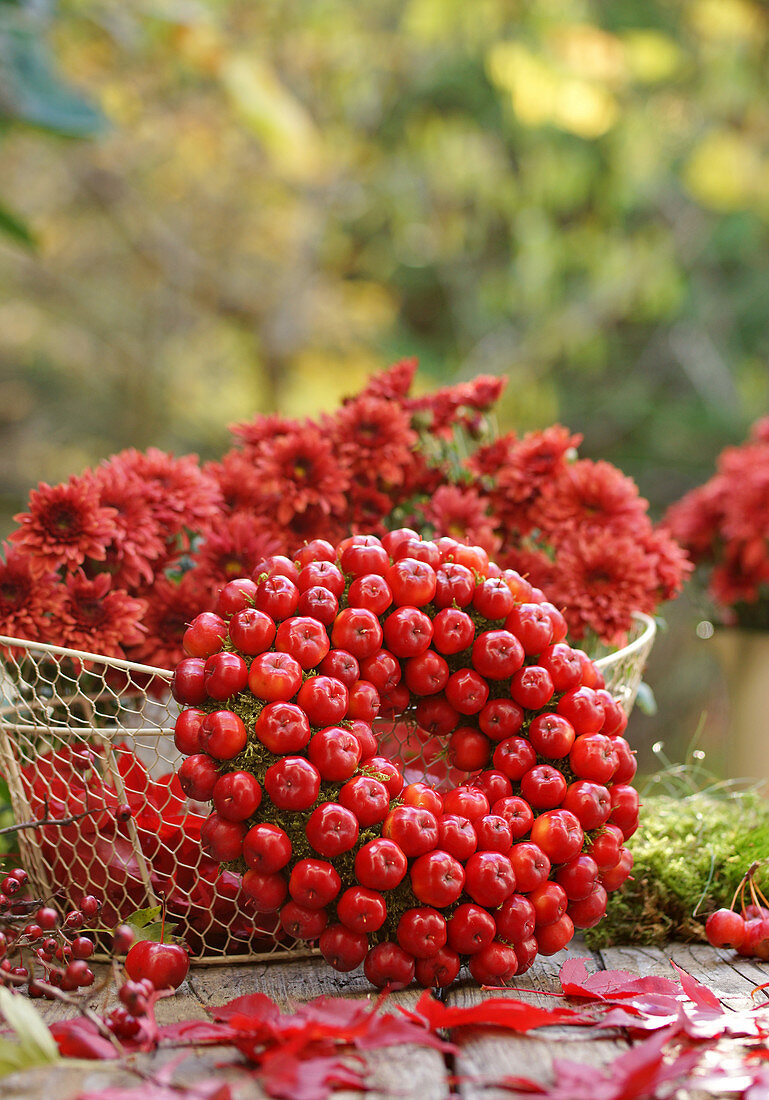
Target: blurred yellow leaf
542,95
738,19
278,118
724,172
651,55
529,80
590,52
587,110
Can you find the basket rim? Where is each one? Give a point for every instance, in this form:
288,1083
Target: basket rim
637,645
62,651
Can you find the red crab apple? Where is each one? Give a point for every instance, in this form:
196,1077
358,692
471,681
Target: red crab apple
164,964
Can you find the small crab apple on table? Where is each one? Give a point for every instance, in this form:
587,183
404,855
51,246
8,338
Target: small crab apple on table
406,879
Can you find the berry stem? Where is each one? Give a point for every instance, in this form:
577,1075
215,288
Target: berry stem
740,891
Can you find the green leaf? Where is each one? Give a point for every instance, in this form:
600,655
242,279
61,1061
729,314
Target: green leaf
645,700
34,1045
148,925
142,917
33,92
15,228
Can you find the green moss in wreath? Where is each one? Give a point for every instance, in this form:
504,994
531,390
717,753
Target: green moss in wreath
689,856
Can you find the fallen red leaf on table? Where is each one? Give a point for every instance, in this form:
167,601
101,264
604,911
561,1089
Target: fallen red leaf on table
696,991
606,985
79,1038
286,1077
504,1012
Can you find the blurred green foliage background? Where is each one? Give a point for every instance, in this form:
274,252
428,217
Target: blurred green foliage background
209,207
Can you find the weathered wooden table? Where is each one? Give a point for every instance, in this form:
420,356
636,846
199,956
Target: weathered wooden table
482,1057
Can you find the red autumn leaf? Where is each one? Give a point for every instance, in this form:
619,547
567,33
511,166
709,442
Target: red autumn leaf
635,1074
361,1024
255,1020
196,1033
696,991
79,1038
286,1077
257,1006
609,984
520,1084
641,1014
708,1023
504,1012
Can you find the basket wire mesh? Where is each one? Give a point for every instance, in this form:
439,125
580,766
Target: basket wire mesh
87,751
623,669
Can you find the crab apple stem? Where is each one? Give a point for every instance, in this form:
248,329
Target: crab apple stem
753,894
162,918
759,891
740,891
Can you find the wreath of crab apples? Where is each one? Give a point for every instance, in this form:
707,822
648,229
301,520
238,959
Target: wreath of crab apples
282,684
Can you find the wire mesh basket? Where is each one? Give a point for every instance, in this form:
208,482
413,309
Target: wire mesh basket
624,668
87,752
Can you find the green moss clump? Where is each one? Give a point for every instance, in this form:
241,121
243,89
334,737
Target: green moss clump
689,854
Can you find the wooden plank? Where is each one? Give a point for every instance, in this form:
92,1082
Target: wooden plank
731,977
487,1056
68,1080
284,982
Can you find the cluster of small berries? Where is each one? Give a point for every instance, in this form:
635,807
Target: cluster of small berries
151,967
747,931
282,684
38,949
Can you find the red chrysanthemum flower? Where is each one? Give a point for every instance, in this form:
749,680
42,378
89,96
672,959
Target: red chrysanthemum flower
695,519
744,478
724,525
233,549
300,471
739,579
178,492
492,457
368,508
459,404
586,495
669,561
461,512
239,482
139,541
65,525
533,461
374,441
314,523
31,605
263,430
100,619
171,607
394,383
599,582
759,433
531,464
